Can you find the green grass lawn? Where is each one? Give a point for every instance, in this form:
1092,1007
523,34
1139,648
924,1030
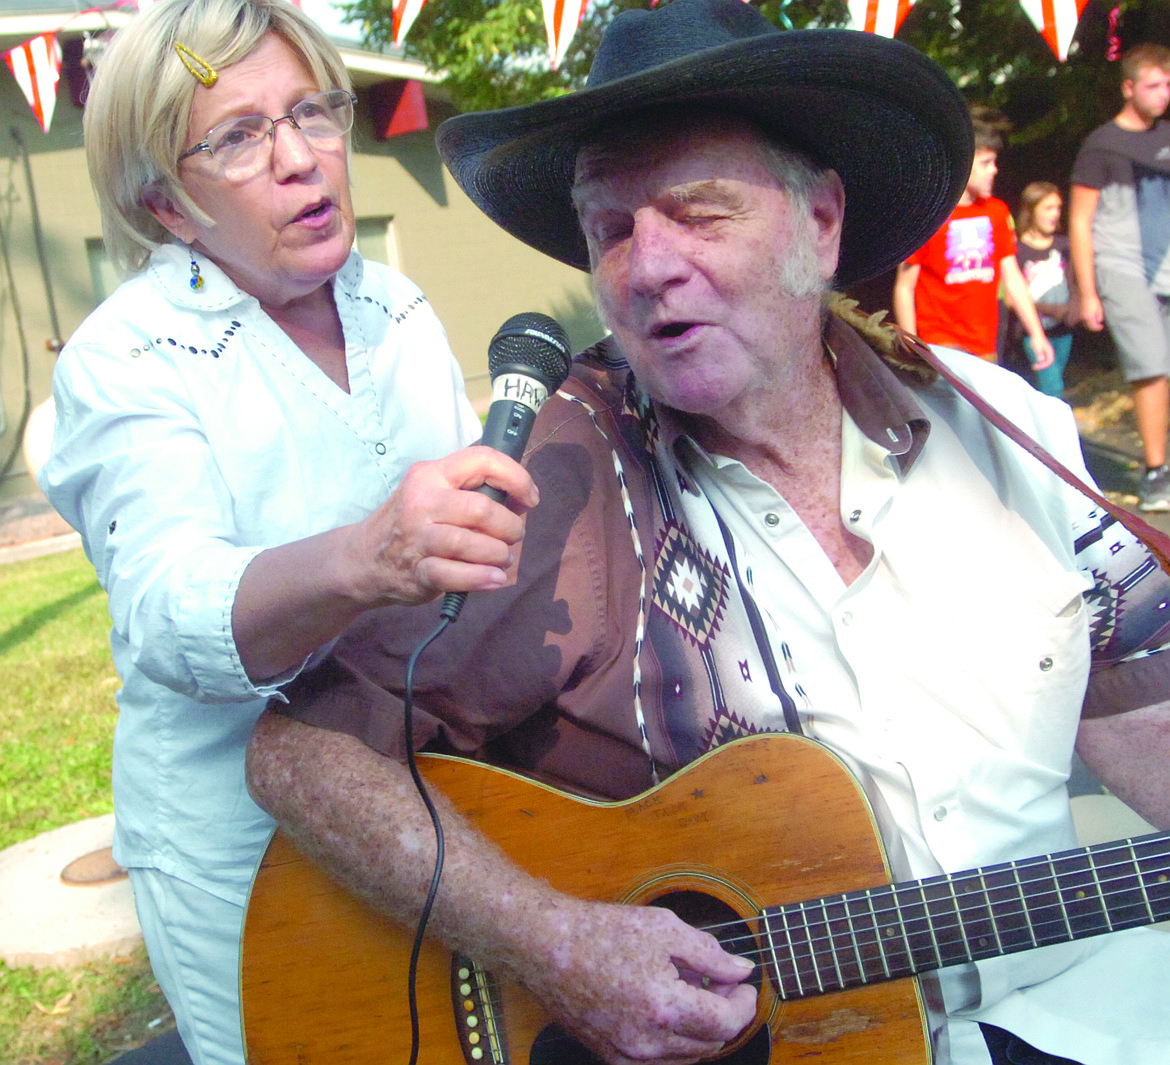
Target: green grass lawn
57,715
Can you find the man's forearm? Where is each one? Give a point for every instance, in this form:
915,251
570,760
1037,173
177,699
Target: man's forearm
364,822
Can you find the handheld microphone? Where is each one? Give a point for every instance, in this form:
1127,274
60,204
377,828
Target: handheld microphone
528,359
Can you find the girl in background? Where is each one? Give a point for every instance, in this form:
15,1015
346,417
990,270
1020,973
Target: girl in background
1043,255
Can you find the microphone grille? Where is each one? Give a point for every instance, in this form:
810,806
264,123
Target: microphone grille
535,341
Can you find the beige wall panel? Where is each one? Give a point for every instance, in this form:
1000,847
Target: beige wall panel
474,273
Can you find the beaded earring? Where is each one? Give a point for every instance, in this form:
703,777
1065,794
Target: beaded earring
196,277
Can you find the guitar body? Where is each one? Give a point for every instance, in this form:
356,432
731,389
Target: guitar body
759,822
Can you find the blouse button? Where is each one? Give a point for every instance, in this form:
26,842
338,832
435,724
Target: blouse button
771,520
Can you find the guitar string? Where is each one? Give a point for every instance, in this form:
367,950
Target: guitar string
952,915
1101,875
948,913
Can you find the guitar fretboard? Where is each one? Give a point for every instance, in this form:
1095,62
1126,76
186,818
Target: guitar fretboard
861,937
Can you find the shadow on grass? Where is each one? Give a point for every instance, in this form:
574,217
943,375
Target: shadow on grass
44,615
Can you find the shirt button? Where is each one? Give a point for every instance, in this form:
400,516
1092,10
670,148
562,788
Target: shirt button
1045,664
771,520
940,813
847,618
855,517
380,449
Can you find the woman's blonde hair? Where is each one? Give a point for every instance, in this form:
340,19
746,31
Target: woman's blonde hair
140,99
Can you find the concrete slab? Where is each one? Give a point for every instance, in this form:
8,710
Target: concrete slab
44,922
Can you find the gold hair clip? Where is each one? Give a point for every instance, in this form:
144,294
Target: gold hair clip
198,66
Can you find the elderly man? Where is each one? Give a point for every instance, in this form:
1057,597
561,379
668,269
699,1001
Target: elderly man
756,515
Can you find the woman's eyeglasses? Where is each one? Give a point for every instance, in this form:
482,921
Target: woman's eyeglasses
243,146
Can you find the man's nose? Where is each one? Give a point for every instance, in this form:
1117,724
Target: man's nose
657,258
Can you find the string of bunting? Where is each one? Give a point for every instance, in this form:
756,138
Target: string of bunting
36,64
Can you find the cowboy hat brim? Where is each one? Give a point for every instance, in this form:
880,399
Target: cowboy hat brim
880,113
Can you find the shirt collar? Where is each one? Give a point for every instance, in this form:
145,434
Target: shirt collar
878,400
170,269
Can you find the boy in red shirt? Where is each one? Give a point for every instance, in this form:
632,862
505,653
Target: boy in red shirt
947,292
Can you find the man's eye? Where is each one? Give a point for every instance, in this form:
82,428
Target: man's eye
605,235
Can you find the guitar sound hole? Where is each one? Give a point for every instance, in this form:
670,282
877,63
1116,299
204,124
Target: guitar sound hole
554,1046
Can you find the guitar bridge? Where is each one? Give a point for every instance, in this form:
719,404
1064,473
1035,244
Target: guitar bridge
475,999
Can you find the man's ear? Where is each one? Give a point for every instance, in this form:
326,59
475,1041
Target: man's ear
828,215
158,201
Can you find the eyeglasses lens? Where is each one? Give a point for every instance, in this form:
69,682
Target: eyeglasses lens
244,145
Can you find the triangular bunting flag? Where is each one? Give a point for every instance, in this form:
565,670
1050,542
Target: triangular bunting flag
882,17
405,12
1056,20
36,65
561,19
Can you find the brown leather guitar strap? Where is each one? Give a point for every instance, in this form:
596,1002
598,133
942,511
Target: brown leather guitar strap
1158,542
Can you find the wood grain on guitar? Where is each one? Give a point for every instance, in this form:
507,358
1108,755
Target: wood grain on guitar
768,841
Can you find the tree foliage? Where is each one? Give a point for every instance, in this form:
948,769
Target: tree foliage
494,53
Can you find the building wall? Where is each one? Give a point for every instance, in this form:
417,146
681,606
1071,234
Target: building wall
475,275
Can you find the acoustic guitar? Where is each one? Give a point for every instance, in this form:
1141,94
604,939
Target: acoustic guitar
767,841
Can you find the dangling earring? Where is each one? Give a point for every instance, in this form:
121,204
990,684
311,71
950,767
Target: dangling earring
196,277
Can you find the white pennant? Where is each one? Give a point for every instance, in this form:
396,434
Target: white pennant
36,65
1056,20
882,17
561,19
405,12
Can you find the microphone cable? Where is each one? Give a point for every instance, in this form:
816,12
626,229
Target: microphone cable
528,358
416,776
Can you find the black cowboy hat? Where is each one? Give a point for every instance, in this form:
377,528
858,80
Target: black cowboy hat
881,114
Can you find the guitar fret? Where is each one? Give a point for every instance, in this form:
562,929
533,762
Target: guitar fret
877,935
856,941
1101,895
1154,883
990,914
832,943
792,954
816,969
980,934
1023,903
959,916
771,933
1063,904
1141,882
910,966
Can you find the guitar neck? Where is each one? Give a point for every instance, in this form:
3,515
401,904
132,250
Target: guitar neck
863,937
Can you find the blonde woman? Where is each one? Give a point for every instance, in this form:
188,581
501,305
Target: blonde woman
257,437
